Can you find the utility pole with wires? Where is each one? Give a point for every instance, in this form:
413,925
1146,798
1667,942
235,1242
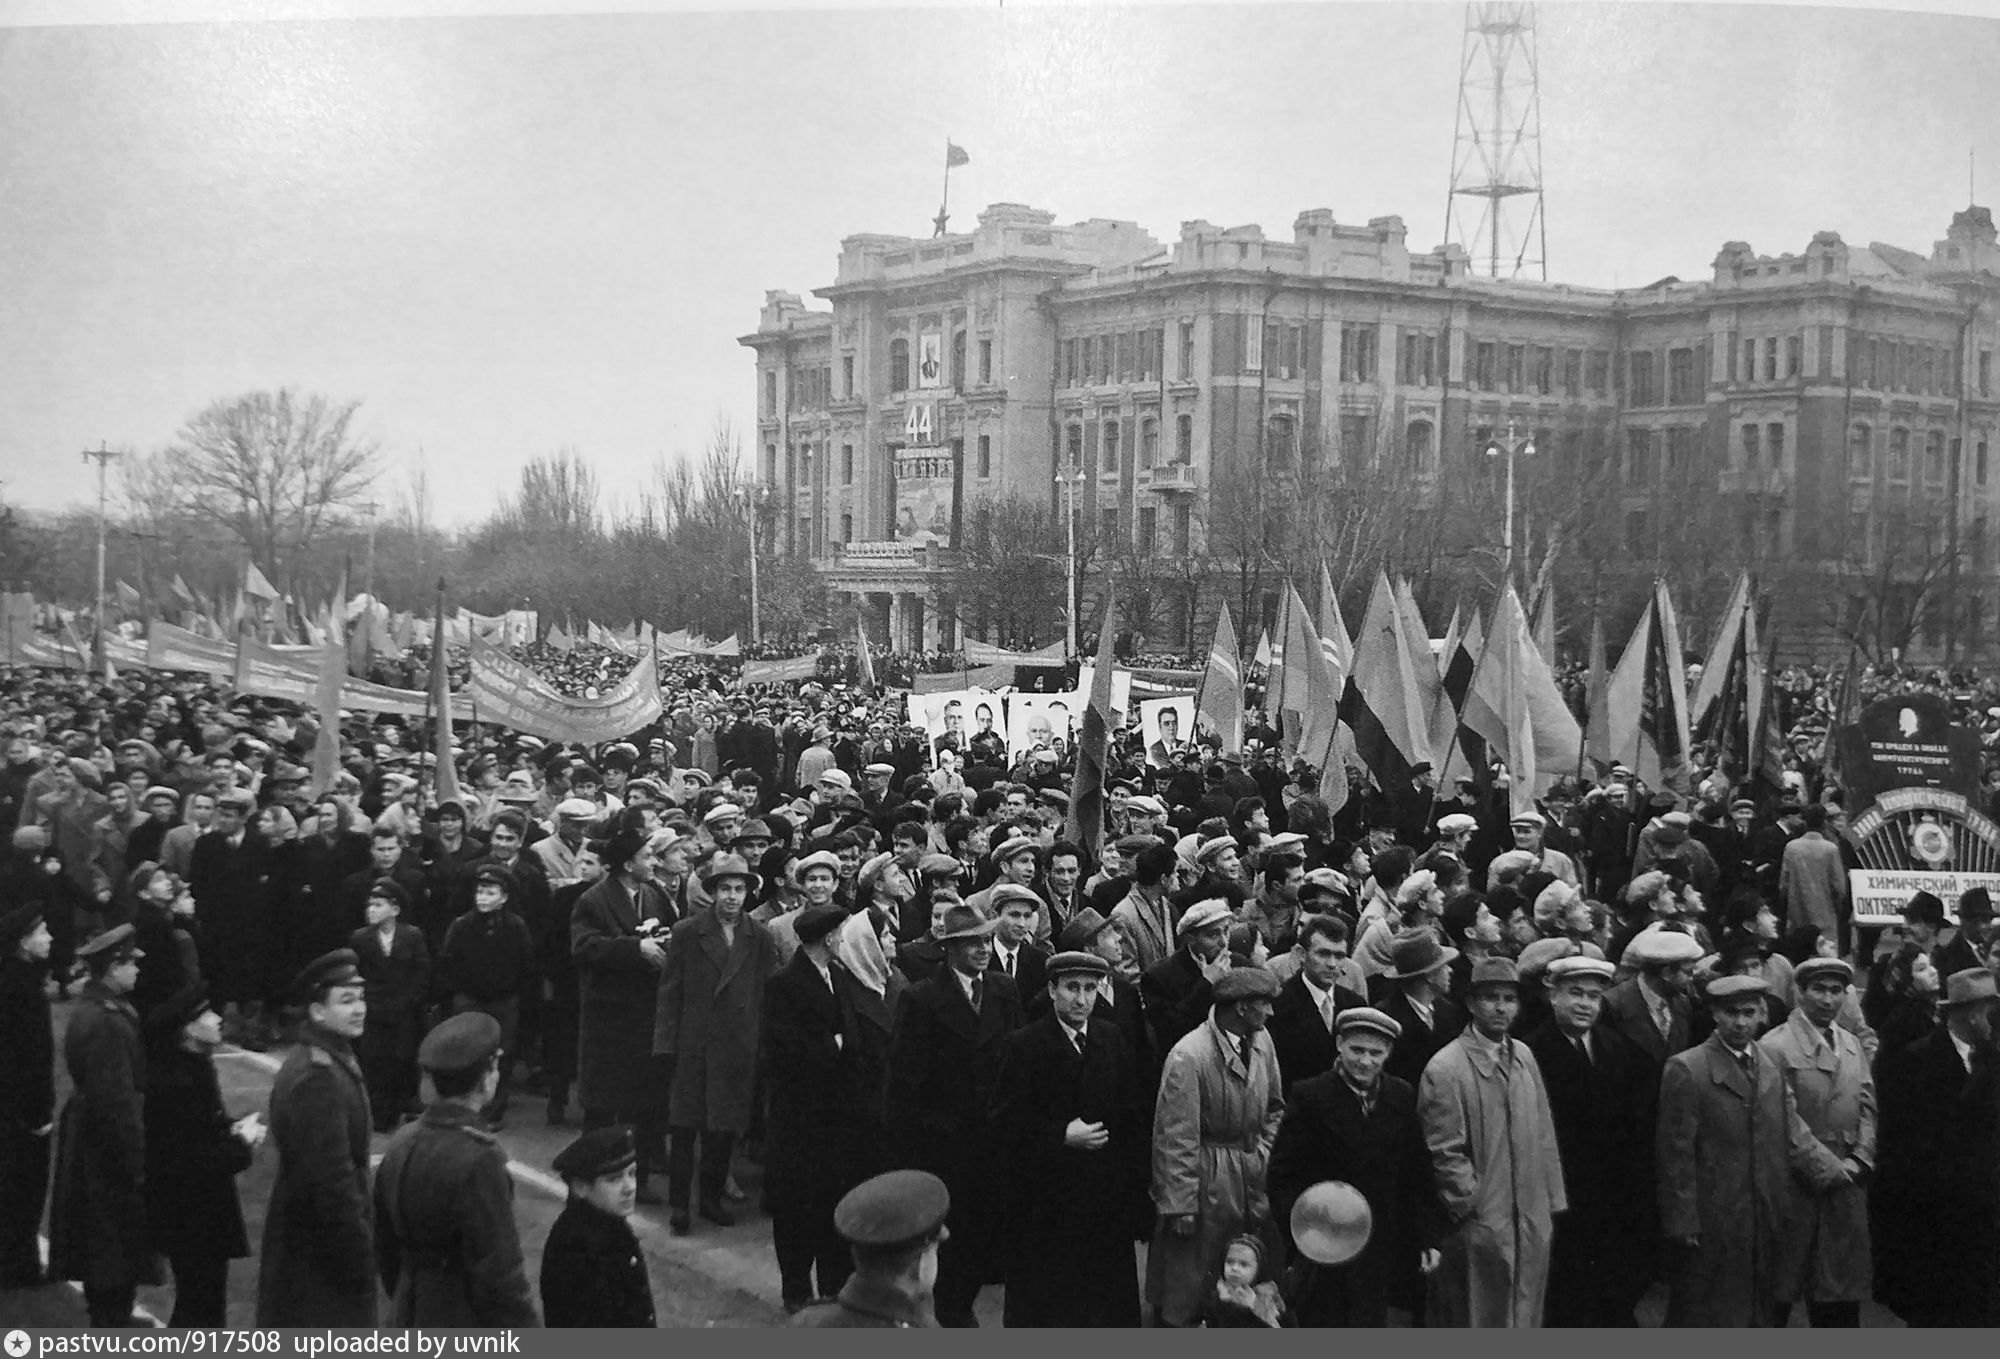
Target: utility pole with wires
102,456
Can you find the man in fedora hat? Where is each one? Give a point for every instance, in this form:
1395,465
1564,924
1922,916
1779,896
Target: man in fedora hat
1935,1205
1602,1094
710,1007
941,1080
1213,1123
1494,1163
1824,1255
1177,990
1071,1124
1414,996
1730,1139
1357,1124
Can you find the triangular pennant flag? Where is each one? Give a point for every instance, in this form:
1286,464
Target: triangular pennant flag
256,586
1263,657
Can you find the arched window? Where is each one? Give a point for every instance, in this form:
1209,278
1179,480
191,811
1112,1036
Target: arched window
1420,447
899,365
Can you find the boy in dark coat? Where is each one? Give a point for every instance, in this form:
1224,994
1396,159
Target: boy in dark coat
396,968
488,959
593,1272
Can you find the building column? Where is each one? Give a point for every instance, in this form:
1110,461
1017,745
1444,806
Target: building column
897,621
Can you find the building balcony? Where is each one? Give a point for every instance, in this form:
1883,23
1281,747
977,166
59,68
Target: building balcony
1174,476
1755,481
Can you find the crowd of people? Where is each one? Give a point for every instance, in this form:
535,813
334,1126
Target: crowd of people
952,1038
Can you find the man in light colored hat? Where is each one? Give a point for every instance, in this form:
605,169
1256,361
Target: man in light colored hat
445,1240
1530,829
1454,833
1357,1124
557,852
1177,990
1602,1093
1494,1163
1067,1259
942,1070
1651,1006
1213,1124
1018,858
1825,1260
1936,1222
1729,1140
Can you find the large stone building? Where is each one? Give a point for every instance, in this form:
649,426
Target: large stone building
1829,413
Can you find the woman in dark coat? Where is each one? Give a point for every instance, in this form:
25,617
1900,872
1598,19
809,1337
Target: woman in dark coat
618,955
97,1221
194,1152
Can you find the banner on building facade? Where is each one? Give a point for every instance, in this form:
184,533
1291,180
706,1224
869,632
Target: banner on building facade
926,494
930,359
508,692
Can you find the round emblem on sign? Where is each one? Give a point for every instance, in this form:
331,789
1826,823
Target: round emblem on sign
1930,841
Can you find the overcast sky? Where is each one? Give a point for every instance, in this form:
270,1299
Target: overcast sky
507,235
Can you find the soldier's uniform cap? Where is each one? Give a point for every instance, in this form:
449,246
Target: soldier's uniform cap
393,892
1062,964
460,1043
600,1152
342,967
1814,968
899,1208
1366,1019
117,939
1734,988
1246,983
817,922
181,1008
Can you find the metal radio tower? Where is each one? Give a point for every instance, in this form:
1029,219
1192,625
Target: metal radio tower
1495,206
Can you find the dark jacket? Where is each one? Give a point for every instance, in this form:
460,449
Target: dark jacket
28,1053
316,1266
1602,1259
1625,1010
593,1271
1419,1042
397,984
97,1212
1325,1136
487,955
192,1160
823,1080
710,1006
1178,998
230,892
1304,1042
1069,1214
618,995
1031,962
866,1303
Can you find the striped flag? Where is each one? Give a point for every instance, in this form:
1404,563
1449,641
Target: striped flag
1085,823
1333,635
1646,708
1383,702
1219,704
446,787
1597,718
1514,707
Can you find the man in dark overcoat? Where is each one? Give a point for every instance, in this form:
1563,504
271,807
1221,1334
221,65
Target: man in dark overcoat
812,1137
317,1264
27,1091
1603,1093
1358,1124
941,1080
445,1240
1178,989
395,966
616,944
711,1005
1302,1017
97,1217
593,1270
228,873
1070,1115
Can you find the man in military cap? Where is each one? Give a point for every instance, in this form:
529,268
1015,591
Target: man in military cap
1213,1124
1730,1138
593,1272
27,1091
445,1240
895,1224
1071,1121
1358,1124
316,1267
1494,1163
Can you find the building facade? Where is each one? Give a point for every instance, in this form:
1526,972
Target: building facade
1826,417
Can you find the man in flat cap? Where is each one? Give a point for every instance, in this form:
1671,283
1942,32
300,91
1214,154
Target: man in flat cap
1178,990
941,1078
1651,1007
27,1090
1494,1163
1603,1094
317,1267
1730,1138
593,1271
1018,859
445,1240
815,1135
1070,1114
1016,955
1213,1123
894,1225
1824,1250
97,1212
1358,1124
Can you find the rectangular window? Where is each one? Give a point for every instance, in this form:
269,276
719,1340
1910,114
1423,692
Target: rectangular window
1979,463
1076,446
1750,445
1184,439
1986,372
847,376
1679,443
1770,358
1899,455
1183,529
1795,356
1774,438
1749,373
1682,387
985,361
1125,355
1149,441
1729,357
1484,362
1433,358
1187,351
1070,369
1110,521
1354,441
1826,351
1406,361
1572,372
1638,457
1517,368
1253,350
847,464
1291,358
958,359
1357,352
1599,366
847,528
1641,387
770,391
1108,463
1149,528
770,463
1934,458
986,455
1545,370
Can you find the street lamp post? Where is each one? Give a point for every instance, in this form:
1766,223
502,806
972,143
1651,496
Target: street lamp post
102,456
753,500
1069,487
1508,448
